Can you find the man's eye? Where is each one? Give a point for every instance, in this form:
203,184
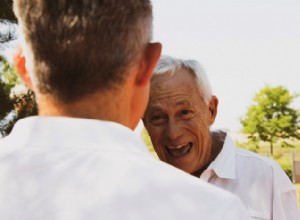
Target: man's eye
186,114
157,119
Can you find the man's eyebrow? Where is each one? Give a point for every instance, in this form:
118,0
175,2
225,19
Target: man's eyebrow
154,107
183,102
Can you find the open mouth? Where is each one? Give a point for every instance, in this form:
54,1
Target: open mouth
180,150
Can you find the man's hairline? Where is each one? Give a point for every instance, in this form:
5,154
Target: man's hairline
195,78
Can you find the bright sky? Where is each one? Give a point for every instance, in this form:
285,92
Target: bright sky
242,44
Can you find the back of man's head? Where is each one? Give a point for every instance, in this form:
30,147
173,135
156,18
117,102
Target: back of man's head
75,48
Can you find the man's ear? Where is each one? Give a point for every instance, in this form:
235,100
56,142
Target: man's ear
148,62
20,63
213,108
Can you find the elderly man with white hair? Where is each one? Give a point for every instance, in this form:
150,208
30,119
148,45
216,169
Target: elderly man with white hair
180,112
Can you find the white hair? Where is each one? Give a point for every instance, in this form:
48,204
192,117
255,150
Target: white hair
167,64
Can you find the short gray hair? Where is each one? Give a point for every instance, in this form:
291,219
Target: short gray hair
170,64
75,48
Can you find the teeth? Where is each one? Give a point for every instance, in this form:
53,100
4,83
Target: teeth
180,150
177,147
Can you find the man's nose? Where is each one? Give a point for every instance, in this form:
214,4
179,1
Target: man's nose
173,130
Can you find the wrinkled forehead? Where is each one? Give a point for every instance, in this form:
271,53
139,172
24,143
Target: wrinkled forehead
170,104
177,88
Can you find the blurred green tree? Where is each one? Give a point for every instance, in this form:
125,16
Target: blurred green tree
6,103
271,118
16,100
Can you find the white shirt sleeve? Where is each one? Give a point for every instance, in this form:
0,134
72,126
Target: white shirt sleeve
285,207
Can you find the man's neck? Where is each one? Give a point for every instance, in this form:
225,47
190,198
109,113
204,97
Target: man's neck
218,138
101,106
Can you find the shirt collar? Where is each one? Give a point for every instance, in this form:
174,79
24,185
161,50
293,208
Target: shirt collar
224,165
75,132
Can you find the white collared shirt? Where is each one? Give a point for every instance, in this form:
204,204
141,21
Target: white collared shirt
261,184
54,168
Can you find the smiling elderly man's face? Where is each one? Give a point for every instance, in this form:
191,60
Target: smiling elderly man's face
178,119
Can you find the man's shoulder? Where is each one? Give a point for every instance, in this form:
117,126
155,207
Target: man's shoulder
130,181
178,179
178,187
255,158
244,154
262,165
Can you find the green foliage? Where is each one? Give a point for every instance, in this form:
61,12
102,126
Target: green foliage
5,102
16,100
7,81
10,75
270,118
286,165
147,141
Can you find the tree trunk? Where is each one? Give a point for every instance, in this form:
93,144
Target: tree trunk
271,147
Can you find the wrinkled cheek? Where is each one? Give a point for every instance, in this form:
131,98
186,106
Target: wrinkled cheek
193,164
159,152
158,147
203,158
157,143
198,158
